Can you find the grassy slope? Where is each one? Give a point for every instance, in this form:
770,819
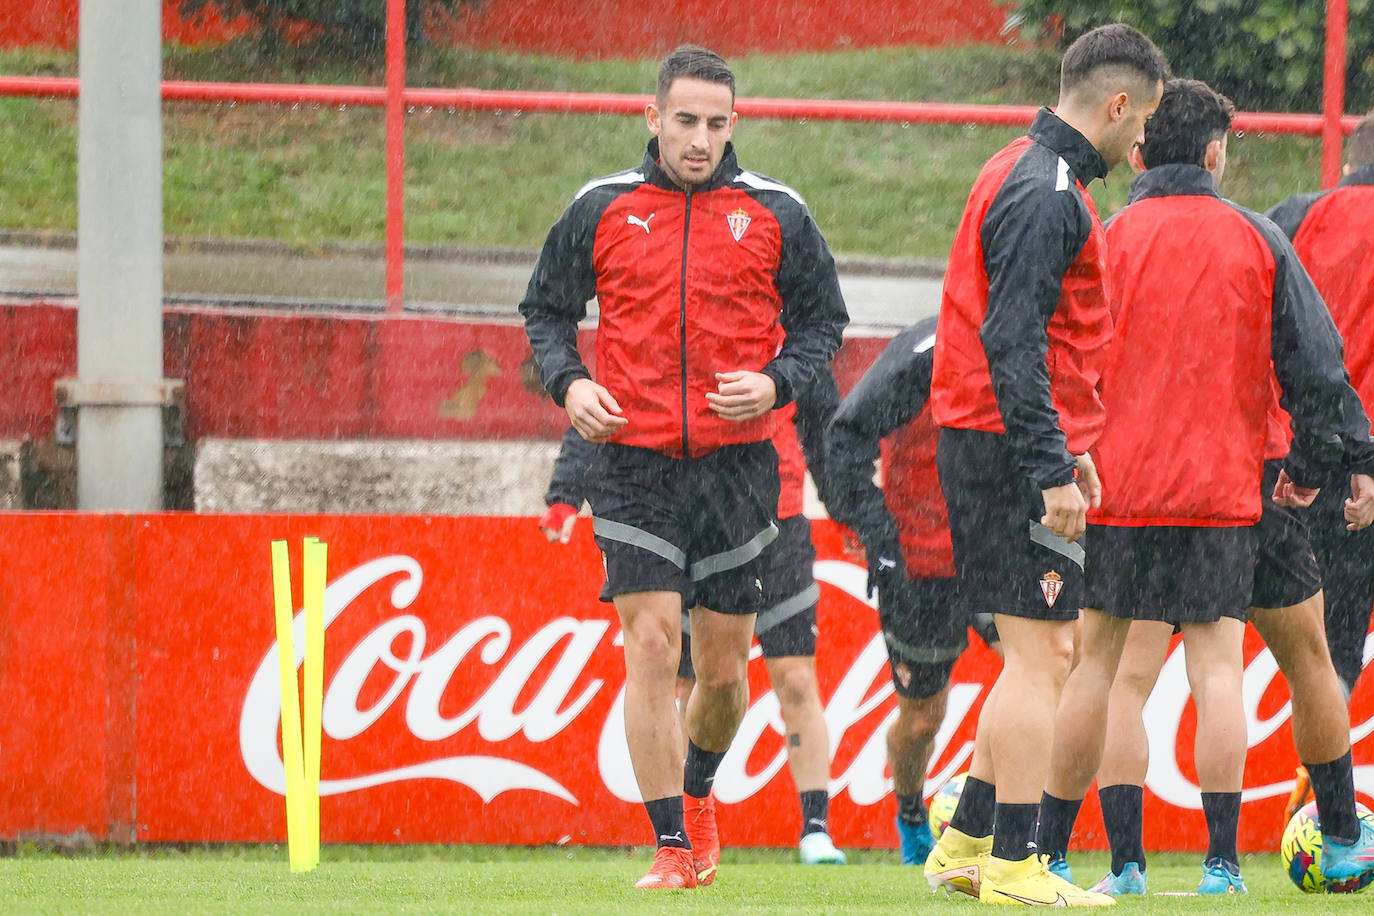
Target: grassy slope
546,880
311,175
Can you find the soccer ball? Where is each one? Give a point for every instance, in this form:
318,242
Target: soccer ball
1302,847
943,803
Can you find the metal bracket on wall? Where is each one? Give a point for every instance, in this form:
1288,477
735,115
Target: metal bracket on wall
167,393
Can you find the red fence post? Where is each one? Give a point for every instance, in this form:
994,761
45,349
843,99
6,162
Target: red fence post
1333,91
395,154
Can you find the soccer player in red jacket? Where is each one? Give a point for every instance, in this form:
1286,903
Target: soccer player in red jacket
1210,304
717,301
905,532
1022,335
1333,233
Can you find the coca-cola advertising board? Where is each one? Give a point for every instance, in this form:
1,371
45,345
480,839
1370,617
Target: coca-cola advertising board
473,693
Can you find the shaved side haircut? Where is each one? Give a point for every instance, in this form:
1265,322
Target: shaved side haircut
1117,53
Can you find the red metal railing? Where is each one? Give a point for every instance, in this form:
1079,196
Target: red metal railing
511,101
1331,125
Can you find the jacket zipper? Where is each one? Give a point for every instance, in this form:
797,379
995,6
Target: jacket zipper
682,320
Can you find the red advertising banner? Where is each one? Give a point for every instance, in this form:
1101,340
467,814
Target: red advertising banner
473,693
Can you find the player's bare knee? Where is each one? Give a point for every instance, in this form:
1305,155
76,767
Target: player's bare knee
721,677
796,688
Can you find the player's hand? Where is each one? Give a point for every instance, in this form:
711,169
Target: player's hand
557,523
593,412
1359,509
1088,481
884,567
1292,496
1066,510
742,395
850,544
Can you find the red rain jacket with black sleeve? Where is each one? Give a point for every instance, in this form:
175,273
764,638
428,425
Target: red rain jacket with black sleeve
730,275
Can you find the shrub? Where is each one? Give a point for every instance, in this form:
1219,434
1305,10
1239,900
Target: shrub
1264,54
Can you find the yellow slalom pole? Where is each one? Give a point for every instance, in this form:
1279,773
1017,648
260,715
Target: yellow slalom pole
290,708
316,574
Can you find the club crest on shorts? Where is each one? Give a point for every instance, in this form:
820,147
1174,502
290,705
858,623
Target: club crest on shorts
904,674
739,221
1051,584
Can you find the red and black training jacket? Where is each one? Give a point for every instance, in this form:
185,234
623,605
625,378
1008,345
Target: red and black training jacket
731,275
1210,305
1333,233
1023,318
888,413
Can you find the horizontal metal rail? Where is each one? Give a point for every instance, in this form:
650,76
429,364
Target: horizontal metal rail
511,101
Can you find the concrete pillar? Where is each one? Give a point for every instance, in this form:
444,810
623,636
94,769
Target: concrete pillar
118,394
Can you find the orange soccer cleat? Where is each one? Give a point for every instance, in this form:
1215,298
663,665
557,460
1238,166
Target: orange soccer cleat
672,869
1301,795
700,814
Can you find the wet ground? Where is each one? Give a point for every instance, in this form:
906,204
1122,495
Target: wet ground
879,293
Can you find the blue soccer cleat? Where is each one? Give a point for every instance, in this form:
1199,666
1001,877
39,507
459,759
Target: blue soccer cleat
1347,869
1130,881
917,842
1221,877
1057,864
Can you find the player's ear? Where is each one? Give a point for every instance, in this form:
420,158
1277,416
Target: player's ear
1118,105
1136,160
1212,156
653,118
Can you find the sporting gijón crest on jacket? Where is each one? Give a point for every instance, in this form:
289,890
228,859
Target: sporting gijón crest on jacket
1023,318
731,275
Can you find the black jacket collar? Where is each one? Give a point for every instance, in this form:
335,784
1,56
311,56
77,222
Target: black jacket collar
1362,175
1177,179
1050,130
722,176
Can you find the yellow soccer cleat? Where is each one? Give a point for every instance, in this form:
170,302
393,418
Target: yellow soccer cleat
956,863
1028,882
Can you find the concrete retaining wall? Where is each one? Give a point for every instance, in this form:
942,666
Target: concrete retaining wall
390,477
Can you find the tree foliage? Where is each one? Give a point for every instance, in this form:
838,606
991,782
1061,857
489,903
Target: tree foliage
1264,54
344,25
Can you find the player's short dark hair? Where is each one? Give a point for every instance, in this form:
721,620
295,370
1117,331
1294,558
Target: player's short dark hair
1190,115
1116,46
1359,150
694,62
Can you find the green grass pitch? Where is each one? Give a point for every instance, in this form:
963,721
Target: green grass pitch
498,880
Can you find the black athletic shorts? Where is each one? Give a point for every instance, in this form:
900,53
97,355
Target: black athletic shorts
925,628
1346,561
1286,570
1172,573
1007,562
696,526
787,624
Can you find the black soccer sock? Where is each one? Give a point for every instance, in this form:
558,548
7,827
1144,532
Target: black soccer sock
1123,816
1057,816
700,770
976,809
1333,784
815,807
911,810
1013,838
666,816
1222,810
